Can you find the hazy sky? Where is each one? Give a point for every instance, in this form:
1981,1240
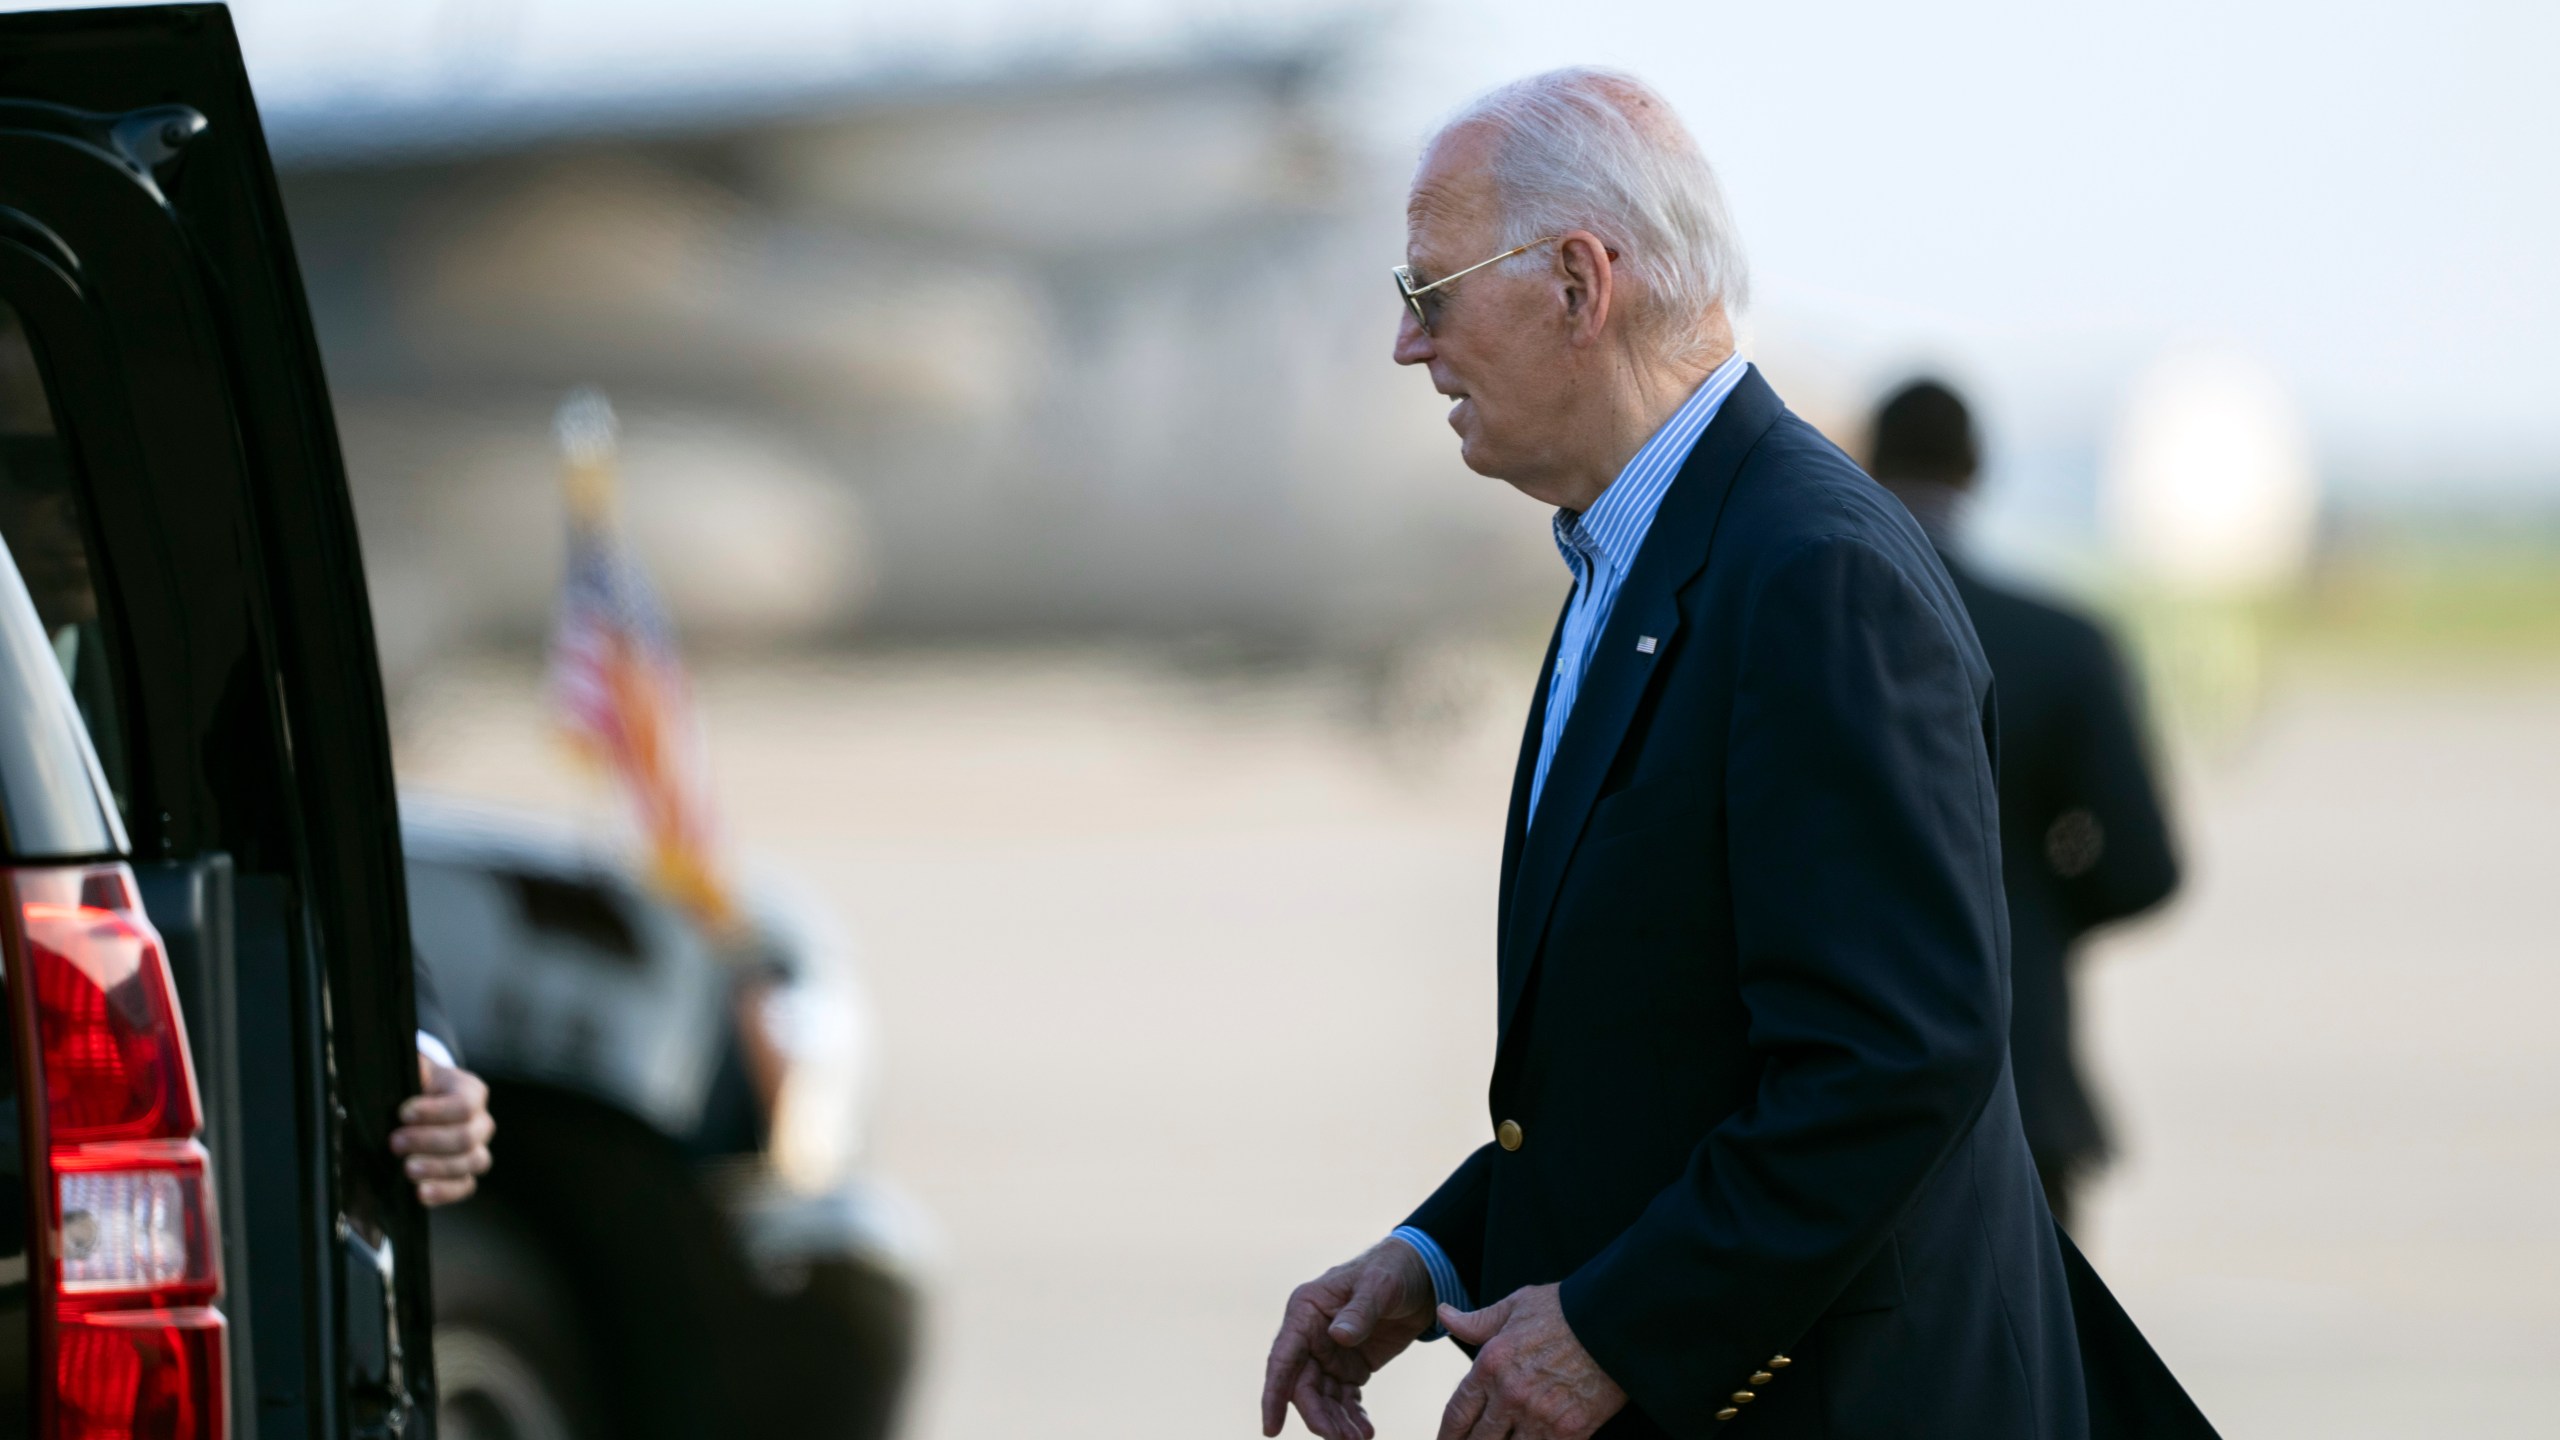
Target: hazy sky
2364,196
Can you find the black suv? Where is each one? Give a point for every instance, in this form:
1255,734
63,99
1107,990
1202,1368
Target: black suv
205,946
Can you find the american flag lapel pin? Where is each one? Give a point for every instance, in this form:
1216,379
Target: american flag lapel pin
1645,644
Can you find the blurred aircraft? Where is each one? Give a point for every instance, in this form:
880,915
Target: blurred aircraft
1068,351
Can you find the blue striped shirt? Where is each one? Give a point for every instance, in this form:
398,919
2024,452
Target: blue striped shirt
1600,546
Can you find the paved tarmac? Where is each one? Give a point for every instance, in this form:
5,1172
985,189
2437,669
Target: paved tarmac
1186,989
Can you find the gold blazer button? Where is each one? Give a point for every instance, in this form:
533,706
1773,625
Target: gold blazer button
1508,1132
1727,1413
1761,1377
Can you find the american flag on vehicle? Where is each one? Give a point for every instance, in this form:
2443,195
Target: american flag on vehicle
618,683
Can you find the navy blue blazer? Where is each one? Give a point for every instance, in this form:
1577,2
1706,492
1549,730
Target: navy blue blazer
1755,993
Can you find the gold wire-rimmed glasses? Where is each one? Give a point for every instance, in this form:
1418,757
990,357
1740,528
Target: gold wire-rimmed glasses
1413,293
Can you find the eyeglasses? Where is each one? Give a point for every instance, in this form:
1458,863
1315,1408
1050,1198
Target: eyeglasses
1413,293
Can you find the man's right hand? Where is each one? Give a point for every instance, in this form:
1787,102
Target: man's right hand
1339,1329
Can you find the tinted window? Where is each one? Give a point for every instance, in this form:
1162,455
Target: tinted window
580,914
50,778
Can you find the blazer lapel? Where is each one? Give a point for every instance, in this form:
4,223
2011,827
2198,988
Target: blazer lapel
1515,830
1674,550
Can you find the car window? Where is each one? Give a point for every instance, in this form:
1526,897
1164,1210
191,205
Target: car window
49,778
581,915
44,519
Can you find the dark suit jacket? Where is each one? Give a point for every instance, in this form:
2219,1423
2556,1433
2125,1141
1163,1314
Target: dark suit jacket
1754,987
2082,837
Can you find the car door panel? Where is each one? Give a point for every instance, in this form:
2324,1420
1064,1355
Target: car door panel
142,244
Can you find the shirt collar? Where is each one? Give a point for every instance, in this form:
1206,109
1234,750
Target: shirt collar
1613,529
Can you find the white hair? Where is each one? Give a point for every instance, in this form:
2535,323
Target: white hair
1599,150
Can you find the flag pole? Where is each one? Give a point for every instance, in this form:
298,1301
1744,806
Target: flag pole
589,434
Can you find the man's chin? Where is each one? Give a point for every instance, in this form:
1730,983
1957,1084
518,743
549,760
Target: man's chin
1483,459
1479,457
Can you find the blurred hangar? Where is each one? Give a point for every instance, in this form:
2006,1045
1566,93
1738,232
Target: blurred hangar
1058,348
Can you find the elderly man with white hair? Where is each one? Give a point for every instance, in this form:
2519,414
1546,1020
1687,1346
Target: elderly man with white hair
1753,1152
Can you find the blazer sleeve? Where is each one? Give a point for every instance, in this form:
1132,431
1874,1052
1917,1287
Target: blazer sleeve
1868,925
1454,1217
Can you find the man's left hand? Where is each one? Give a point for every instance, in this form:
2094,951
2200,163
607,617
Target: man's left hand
1532,1380
444,1133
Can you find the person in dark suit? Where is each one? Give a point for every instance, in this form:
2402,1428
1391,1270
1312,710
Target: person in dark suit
2083,838
1753,1156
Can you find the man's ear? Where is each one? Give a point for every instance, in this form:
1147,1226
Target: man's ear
1588,272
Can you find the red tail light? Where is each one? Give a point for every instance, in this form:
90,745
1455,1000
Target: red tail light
138,1373
126,1260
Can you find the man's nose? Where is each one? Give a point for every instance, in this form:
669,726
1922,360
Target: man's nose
1413,343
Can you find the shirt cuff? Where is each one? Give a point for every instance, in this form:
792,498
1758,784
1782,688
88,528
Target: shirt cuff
436,1050
1446,1287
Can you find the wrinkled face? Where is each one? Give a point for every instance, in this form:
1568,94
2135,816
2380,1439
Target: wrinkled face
1497,344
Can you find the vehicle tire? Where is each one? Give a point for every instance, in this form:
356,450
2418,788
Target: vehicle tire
511,1361
683,1340
659,1294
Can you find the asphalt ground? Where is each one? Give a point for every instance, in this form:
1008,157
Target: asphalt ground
1185,984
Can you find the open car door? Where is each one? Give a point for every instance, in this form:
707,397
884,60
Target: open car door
176,500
